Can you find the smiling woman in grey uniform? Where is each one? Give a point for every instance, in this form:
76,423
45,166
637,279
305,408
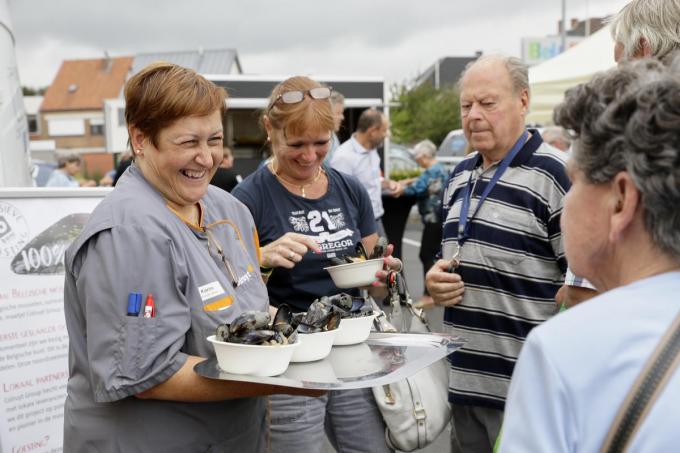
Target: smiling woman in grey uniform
189,252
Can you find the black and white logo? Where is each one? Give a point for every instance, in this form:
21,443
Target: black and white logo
13,230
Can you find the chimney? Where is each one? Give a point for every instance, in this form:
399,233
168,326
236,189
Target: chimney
108,62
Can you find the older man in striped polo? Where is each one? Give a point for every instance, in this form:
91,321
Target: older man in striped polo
501,241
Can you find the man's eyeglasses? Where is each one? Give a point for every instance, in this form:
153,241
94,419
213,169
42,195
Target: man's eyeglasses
293,97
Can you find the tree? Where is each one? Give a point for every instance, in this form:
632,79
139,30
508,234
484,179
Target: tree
30,91
424,112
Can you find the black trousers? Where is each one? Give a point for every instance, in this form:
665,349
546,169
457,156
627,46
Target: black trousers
430,243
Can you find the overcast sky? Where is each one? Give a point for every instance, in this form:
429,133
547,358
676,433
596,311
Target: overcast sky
395,39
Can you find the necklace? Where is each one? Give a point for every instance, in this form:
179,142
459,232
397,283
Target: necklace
302,187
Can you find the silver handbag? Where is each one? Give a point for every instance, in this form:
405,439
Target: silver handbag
415,410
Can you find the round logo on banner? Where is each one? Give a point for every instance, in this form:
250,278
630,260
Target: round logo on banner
13,230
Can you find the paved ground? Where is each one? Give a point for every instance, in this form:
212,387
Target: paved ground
414,277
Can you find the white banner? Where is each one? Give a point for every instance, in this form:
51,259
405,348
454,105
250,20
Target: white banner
36,227
14,154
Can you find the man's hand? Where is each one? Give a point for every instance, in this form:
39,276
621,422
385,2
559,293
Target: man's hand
445,288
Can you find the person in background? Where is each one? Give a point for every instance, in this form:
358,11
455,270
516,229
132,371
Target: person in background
557,137
359,157
646,28
428,189
123,164
643,28
225,177
306,213
190,251
501,217
575,370
68,166
338,103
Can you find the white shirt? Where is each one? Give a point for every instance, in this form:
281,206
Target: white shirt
364,164
576,369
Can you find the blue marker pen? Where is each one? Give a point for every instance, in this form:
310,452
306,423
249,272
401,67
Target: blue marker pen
134,304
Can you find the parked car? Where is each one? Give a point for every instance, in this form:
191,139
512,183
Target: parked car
452,149
402,162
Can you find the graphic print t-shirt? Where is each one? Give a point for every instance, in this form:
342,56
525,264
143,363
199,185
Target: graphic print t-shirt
337,222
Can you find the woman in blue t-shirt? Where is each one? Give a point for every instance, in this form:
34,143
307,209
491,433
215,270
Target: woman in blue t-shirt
307,213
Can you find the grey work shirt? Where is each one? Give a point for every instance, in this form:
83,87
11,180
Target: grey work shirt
134,243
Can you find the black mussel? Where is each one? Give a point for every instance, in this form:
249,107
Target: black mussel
222,332
334,321
318,312
379,248
258,336
249,320
308,328
283,320
360,250
357,304
342,300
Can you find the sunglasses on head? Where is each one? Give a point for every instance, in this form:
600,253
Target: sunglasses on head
293,97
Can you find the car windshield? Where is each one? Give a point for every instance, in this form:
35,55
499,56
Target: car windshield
453,145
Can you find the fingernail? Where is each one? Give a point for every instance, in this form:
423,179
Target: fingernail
375,284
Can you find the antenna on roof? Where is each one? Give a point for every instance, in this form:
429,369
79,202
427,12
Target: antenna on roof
108,62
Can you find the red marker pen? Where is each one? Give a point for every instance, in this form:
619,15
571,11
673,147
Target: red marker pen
149,307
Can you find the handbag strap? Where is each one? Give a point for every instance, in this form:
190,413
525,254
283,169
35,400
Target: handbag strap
646,389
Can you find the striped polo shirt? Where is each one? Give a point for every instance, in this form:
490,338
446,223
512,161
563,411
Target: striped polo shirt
512,264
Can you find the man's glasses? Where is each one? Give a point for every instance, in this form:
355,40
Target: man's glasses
293,97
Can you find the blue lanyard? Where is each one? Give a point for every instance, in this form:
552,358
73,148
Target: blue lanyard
463,225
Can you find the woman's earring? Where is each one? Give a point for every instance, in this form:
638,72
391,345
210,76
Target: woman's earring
269,139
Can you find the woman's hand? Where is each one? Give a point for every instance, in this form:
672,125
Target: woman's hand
445,288
287,250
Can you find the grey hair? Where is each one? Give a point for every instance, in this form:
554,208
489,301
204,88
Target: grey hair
552,134
657,21
336,97
628,119
67,158
426,147
517,70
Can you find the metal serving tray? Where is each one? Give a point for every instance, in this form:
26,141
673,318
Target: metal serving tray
382,359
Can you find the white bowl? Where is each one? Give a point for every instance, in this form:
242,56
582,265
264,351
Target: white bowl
257,360
353,330
354,275
314,346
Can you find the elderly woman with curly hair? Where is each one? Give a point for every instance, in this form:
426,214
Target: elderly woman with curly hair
621,226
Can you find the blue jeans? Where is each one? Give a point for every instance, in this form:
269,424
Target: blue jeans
350,419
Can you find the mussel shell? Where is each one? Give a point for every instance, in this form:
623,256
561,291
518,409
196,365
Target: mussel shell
342,300
379,248
361,250
317,313
257,336
222,332
334,321
248,321
283,320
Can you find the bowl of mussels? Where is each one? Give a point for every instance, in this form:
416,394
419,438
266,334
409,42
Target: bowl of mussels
356,317
357,270
254,344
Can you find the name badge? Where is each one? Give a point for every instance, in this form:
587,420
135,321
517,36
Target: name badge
210,290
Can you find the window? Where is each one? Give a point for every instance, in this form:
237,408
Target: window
33,124
121,117
96,127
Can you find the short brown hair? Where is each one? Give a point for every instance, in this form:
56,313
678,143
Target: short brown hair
301,116
162,93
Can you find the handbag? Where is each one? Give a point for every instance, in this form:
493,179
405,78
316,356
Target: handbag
415,410
646,389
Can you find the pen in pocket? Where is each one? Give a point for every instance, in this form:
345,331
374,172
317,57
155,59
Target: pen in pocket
149,307
134,304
